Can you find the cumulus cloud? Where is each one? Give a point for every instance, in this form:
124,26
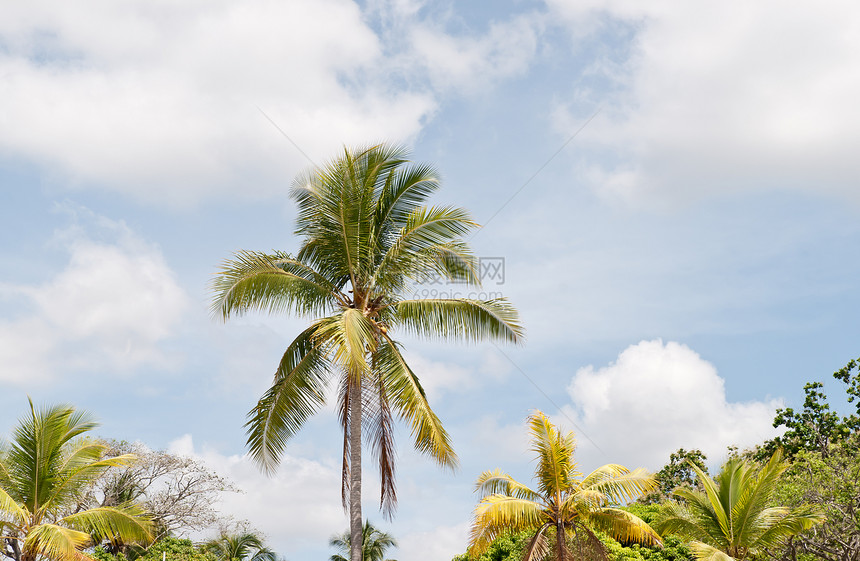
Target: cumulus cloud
654,399
713,97
298,508
107,309
158,100
170,102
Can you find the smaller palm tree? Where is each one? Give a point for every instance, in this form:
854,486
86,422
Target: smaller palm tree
244,546
374,542
732,517
565,502
45,469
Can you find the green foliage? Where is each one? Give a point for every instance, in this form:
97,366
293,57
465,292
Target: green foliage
374,543
511,547
850,374
816,426
175,549
565,504
832,482
677,473
733,516
673,550
45,471
813,428
507,547
241,546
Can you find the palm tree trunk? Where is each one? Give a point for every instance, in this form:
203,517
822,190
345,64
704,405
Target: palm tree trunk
559,539
355,520
14,549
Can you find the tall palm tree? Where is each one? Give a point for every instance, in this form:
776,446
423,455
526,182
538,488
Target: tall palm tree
43,472
374,542
367,238
565,502
732,517
244,546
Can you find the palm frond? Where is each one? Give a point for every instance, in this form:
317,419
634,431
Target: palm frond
718,509
56,542
675,518
274,283
497,482
498,514
380,433
297,393
472,320
409,400
555,465
538,545
347,338
783,523
11,509
619,484
128,522
623,526
704,552
758,489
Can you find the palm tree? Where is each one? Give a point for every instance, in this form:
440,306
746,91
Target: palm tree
731,518
43,472
239,547
374,542
367,237
565,502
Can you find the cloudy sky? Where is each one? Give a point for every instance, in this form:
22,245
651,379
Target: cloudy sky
673,188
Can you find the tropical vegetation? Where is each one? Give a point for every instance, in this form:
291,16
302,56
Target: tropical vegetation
242,546
565,502
367,238
733,517
374,543
44,470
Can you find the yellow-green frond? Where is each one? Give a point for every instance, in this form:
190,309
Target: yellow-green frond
128,522
704,552
12,510
619,484
556,468
56,542
623,526
407,397
497,514
497,482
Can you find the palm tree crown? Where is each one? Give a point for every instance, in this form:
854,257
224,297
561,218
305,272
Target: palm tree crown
732,518
43,472
367,238
374,542
564,501
239,547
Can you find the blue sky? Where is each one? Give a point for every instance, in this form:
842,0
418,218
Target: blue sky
683,264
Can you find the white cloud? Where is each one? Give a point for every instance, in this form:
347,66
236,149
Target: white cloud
469,62
442,543
108,308
298,508
654,399
158,100
716,97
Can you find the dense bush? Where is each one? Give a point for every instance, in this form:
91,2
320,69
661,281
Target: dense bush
175,548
